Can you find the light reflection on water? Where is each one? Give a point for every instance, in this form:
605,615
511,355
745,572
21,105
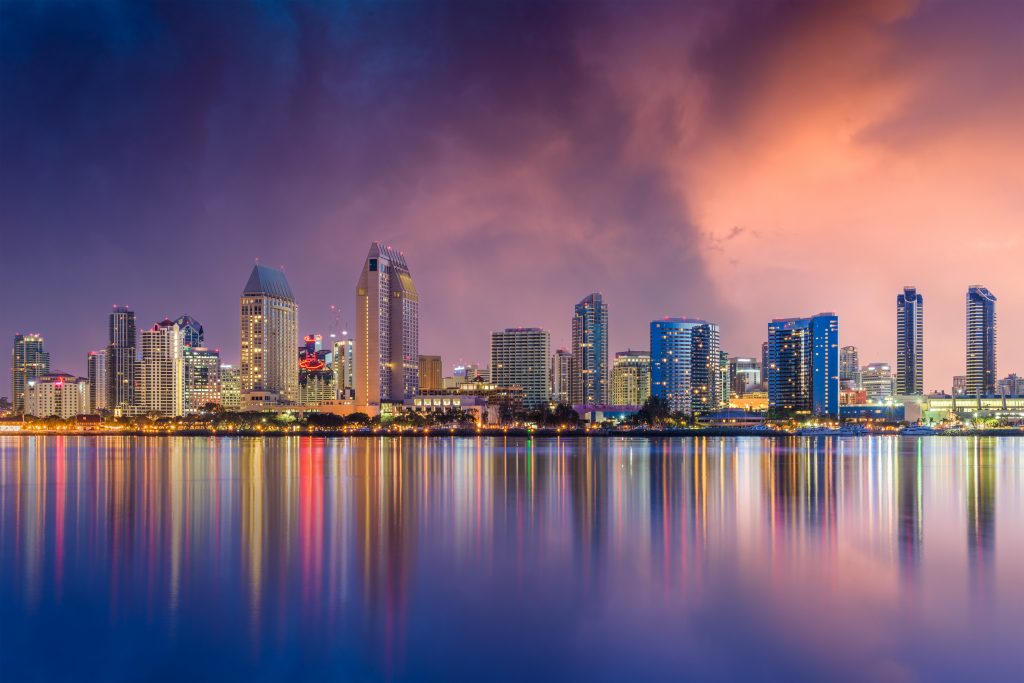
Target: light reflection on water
441,558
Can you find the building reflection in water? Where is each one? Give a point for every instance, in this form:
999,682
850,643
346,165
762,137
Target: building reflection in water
346,536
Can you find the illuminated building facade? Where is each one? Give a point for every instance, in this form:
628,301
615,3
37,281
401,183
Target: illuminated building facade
201,377
57,395
804,357
590,383
96,373
560,381
430,373
521,357
686,364
849,368
744,375
29,360
316,372
162,370
909,343
877,381
631,378
1011,385
122,364
981,342
343,364
230,387
270,319
387,329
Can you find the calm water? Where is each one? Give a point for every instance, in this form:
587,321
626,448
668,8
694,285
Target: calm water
623,559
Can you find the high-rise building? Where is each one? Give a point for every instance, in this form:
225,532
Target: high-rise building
191,331
849,368
200,377
57,395
877,381
981,342
270,319
316,372
631,378
343,361
686,364
804,357
959,385
1011,385
28,361
744,375
96,364
430,373
764,366
230,387
909,343
162,370
560,381
590,383
520,357
725,392
387,329
122,364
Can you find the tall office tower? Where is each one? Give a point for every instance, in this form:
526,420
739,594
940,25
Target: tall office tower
877,382
744,375
804,357
725,391
560,376
122,365
959,385
590,351
96,365
162,370
28,361
343,364
200,377
981,342
230,387
765,366
191,331
387,329
631,378
686,364
521,357
909,343
57,395
849,368
430,373
270,322
316,372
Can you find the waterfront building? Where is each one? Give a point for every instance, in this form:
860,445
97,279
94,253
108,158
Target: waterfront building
316,372
744,375
981,342
270,319
631,378
29,360
764,366
122,363
909,343
804,357
57,395
201,384
849,368
230,387
723,377
560,382
590,351
686,364
520,357
387,329
430,373
162,370
96,373
877,382
1011,385
343,362
959,385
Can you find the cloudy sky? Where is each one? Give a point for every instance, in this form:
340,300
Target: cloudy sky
732,161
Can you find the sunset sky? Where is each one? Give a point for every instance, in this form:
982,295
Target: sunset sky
729,161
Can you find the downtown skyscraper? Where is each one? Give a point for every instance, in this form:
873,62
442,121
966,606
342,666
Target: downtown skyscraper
122,364
981,342
162,370
29,360
387,329
521,357
269,372
909,343
686,364
803,354
590,383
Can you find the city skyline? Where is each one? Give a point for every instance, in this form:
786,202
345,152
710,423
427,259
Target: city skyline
678,147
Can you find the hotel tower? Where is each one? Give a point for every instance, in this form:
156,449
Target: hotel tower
269,372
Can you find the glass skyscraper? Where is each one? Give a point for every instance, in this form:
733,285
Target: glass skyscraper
909,343
803,354
28,361
849,368
981,342
686,364
122,364
590,351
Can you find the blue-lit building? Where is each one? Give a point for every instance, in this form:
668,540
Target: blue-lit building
981,342
909,343
589,382
803,356
686,364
